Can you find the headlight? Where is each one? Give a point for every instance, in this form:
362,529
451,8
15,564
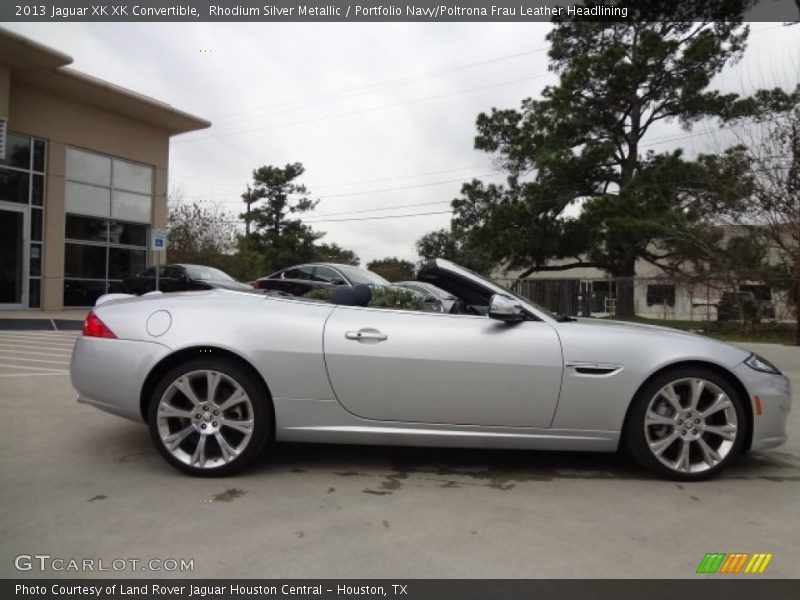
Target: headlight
759,363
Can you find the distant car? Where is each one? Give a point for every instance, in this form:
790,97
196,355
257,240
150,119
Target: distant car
301,279
752,307
180,278
432,294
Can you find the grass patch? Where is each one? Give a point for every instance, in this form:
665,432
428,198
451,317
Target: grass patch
764,333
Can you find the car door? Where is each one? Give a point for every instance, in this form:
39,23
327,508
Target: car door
409,366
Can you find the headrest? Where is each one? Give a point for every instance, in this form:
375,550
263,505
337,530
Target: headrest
358,295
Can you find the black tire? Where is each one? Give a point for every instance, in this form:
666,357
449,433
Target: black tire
636,443
261,416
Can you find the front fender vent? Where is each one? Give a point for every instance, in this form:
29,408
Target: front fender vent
594,369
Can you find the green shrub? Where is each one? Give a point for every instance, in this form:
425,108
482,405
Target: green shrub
386,297
320,294
382,297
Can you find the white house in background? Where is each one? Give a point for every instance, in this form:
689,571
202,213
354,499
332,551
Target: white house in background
657,294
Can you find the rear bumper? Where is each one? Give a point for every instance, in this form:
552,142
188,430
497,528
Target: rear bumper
775,393
109,374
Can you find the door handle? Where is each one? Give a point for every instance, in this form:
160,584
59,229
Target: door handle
366,335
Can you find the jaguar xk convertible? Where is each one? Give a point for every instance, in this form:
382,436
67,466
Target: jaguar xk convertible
219,375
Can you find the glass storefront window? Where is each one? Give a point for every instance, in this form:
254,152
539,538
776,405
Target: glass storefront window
82,293
36,225
123,262
35,293
85,228
128,234
18,151
22,185
88,200
37,190
109,203
38,156
88,167
85,261
36,260
132,177
14,186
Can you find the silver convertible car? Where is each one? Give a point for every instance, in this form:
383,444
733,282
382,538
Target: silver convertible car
218,375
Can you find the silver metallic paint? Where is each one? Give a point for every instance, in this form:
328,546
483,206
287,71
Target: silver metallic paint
459,381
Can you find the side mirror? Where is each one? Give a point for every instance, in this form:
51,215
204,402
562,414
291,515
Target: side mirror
504,308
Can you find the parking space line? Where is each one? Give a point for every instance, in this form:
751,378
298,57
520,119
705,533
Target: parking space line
44,336
45,369
36,360
38,344
18,351
59,373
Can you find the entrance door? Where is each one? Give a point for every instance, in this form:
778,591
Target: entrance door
13,247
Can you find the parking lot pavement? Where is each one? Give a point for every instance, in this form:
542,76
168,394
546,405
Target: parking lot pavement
28,353
76,483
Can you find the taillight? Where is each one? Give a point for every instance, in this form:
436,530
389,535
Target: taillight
94,327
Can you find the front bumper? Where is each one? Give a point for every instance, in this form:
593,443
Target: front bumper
109,374
775,394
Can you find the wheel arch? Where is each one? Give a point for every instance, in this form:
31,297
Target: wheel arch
727,374
180,356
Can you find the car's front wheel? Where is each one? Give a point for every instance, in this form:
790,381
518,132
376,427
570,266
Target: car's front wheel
686,424
209,417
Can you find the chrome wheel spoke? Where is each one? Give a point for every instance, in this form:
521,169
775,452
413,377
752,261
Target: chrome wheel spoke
726,432
721,402
672,397
174,440
185,387
653,418
168,411
658,447
228,451
697,387
212,380
235,398
683,463
710,456
245,427
199,455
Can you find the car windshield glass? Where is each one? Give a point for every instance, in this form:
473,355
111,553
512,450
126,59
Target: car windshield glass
208,273
358,275
512,293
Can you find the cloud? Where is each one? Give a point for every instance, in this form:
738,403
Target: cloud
365,107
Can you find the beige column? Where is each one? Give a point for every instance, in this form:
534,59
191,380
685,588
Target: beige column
5,91
54,223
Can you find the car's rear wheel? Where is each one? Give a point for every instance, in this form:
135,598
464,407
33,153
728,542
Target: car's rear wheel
209,417
686,424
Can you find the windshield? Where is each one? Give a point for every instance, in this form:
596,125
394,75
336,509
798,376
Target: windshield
358,275
511,293
207,274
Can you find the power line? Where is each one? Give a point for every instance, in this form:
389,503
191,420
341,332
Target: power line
422,214
363,111
316,100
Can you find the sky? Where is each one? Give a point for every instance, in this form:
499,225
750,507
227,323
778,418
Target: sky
382,116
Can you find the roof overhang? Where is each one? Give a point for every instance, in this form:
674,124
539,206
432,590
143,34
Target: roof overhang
43,67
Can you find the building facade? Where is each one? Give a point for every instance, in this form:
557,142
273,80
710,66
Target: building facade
83,178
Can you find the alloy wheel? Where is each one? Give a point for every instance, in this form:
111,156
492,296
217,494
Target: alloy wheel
690,425
205,419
